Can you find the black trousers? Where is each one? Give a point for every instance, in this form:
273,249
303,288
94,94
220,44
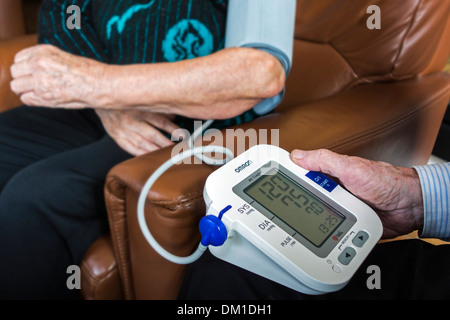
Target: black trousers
53,165
407,269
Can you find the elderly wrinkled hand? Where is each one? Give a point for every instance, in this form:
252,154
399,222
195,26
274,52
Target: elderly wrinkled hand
393,192
137,131
46,76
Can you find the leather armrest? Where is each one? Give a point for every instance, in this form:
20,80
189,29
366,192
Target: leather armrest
394,122
99,273
8,50
174,206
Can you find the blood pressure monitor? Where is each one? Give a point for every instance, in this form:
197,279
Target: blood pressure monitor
293,226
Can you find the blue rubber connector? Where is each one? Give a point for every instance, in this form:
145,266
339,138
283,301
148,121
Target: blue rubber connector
213,231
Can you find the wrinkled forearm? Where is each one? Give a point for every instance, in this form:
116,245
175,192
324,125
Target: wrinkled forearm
410,200
218,86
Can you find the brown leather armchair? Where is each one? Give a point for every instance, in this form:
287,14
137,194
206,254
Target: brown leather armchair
378,94
15,34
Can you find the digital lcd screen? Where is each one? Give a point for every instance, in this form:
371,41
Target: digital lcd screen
295,206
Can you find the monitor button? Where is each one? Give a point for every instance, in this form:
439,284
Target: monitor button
337,268
360,239
347,255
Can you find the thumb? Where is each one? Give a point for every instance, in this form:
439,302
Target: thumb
322,160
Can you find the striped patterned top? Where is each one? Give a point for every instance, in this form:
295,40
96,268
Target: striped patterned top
435,182
138,31
135,31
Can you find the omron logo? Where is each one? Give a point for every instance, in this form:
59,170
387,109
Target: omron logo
242,167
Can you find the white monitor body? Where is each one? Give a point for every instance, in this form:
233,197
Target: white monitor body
290,225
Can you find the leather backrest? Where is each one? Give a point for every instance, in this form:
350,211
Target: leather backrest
11,19
334,48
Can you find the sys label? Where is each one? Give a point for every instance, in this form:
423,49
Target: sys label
246,209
